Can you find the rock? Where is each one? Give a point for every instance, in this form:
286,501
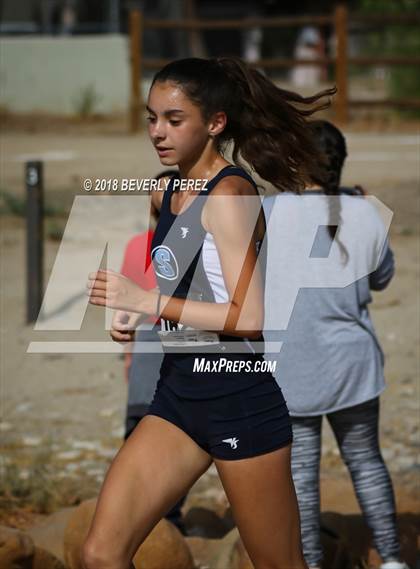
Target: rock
67,455
202,522
388,453
228,519
107,412
23,407
16,549
373,558
409,533
43,559
347,542
226,556
49,533
118,433
340,534
241,556
85,445
209,495
76,531
233,554
31,441
164,548
203,550
405,462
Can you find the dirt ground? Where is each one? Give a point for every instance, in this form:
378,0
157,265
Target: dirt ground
71,406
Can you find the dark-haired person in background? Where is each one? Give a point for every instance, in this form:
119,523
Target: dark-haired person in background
331,363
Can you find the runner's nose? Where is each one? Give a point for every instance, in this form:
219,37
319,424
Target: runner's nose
158,132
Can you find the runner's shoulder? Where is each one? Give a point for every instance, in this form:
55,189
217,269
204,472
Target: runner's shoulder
224,209
157,194
233,185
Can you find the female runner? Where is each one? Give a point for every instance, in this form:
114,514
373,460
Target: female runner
205,255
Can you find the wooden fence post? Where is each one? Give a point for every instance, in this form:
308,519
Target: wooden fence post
136,48
341,64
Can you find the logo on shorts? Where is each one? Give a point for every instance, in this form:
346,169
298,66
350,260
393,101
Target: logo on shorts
184,231
233,442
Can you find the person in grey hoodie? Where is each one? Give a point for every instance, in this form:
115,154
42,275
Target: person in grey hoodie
330,362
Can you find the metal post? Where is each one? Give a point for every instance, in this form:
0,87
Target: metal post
34,239
136,47
341,68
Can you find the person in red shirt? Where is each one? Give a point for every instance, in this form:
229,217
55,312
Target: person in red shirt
137,259
142,369
136,262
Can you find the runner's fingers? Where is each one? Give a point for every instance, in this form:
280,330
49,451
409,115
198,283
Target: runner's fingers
121,327
110,300
99,285
124,322
98,301
98,275
120,337
101,293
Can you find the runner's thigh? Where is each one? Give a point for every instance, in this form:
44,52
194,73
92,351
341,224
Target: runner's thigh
154,468
261,492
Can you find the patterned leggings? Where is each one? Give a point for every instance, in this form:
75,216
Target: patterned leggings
356,432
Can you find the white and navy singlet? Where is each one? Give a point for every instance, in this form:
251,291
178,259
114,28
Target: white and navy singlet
229,415
187,265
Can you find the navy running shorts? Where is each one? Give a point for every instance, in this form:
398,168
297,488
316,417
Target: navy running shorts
247,423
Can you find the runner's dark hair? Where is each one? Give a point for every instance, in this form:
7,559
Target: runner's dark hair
267,125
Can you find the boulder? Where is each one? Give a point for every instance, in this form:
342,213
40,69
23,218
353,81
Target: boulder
49,534
342,540
202,522
164,548
203,550
44,559
16,549
76,531
233,554
241,557
336,555
226,556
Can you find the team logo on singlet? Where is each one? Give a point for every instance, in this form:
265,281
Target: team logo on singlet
184,232
165,263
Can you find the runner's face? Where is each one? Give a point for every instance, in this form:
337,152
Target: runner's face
176,126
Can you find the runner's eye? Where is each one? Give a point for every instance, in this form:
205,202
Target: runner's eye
175,123
150,119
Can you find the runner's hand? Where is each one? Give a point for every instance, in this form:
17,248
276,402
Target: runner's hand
108,288
124,324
